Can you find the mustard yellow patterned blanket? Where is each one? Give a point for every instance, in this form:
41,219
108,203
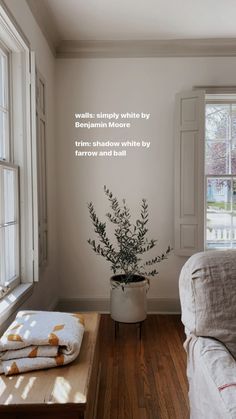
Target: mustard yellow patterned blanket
40,339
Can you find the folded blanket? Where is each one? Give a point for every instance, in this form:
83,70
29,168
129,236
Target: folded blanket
40,339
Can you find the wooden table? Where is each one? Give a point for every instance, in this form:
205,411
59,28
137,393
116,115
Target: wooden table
68,392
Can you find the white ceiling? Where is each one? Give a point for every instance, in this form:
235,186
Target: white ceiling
143,19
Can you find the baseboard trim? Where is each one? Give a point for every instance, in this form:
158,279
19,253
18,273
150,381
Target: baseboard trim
164,305
102,305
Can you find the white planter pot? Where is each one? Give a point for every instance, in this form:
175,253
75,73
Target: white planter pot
128,302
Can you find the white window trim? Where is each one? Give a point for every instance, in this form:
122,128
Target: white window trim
5,109
13,300
16,279
190,228
25,156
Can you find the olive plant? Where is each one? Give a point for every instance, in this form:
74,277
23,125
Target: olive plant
126,257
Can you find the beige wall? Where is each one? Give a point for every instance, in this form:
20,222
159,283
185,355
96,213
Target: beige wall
107,85
121,85
46,291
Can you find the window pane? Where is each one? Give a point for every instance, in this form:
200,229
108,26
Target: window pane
2,135
233,122
3,80
218,230
10,238
9,195
219,195
234,232
2,264
217,158
220,159
233,159
217,121
8,248
234,196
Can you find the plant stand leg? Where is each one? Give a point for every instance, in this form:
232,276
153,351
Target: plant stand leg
116,328
140,330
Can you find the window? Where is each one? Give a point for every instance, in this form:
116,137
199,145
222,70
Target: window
205,170
9,181
18,160
220,172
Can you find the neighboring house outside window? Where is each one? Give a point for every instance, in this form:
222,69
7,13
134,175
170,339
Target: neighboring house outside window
220,172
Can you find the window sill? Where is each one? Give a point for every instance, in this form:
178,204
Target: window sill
10,303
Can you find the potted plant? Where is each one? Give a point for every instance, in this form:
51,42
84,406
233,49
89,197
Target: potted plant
130,280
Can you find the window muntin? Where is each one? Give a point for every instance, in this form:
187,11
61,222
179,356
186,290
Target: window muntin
220,174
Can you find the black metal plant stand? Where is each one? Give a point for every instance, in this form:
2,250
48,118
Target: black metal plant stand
117,324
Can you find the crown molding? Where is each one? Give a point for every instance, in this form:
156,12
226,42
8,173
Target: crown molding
217,90
43,16
208,47
151,48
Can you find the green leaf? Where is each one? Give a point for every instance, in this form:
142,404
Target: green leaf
131,238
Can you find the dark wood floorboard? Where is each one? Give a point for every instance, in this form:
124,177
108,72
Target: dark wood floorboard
143,379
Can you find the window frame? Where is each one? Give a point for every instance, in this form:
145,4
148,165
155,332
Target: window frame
227,98
6,109
6,162
23,155
9,285
189,174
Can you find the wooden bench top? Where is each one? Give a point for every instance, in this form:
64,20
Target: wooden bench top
67,385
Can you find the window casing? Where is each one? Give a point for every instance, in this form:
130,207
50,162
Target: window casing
205,170
18,159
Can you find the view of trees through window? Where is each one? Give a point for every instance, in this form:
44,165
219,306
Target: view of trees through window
220,171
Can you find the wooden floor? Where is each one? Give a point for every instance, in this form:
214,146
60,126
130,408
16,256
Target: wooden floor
143,379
